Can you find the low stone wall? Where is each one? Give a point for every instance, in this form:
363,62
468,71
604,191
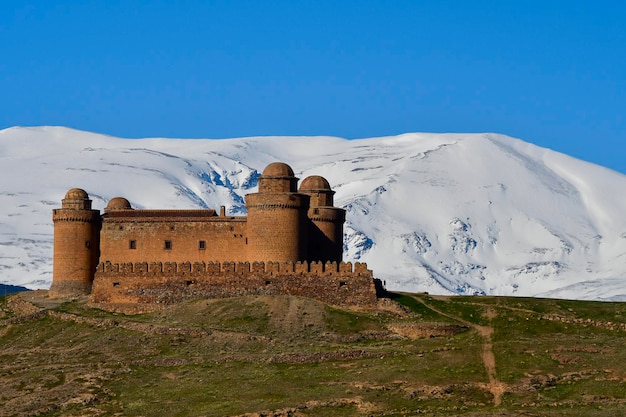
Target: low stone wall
162,283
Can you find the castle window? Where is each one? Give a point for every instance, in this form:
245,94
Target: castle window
87,244
132,244
168,245
202,244
172,227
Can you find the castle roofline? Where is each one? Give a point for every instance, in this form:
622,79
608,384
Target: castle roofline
161,215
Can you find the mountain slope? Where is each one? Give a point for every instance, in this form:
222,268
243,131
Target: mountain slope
445,213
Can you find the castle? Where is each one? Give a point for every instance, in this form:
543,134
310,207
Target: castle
290,242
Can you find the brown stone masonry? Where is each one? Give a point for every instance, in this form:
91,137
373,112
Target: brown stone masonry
171,282
290,242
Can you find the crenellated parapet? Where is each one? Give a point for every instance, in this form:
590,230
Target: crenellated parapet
331,282
183,269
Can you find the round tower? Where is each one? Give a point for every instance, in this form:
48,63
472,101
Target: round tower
76,245
326,221
276,229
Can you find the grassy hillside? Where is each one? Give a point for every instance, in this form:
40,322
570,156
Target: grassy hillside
288,356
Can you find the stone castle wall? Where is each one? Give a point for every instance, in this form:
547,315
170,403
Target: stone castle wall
290,242
164,283
139,235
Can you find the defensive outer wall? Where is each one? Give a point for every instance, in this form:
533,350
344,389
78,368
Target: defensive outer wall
170,282
289,243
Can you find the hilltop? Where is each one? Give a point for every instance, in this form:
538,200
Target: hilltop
443,213
289,356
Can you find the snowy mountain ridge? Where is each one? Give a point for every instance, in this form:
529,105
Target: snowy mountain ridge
444,213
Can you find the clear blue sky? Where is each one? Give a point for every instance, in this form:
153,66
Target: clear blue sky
550,72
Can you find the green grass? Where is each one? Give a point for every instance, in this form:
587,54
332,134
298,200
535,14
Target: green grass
420,309
263,354
350,322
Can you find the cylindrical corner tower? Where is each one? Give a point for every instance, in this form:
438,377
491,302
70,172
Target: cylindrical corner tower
76,245
326,221
276,229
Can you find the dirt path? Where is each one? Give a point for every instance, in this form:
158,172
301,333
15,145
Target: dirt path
495,386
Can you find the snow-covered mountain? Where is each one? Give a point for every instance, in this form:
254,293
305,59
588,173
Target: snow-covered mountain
444,213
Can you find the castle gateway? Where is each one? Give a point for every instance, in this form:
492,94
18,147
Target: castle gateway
291,242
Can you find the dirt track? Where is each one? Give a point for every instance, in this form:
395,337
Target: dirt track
495,386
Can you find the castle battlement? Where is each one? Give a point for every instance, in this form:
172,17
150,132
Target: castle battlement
170,282
156,269
290,242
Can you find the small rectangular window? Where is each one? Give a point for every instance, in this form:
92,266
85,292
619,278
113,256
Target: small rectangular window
202,244
168,245
132,244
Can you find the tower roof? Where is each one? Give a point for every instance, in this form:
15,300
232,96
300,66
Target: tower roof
118,203
278,169
315,183
76,194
